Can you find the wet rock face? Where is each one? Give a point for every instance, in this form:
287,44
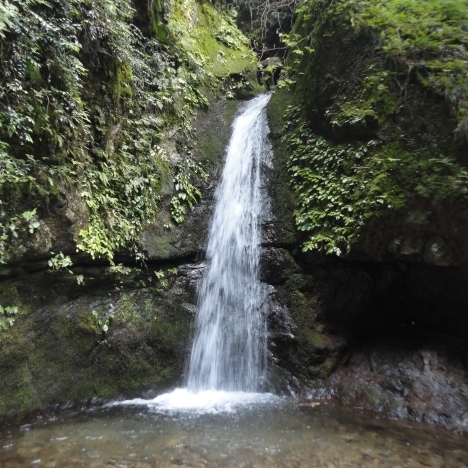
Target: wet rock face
276,265
362,299
425,233
123,331
410,375
161,239
391,338
377,327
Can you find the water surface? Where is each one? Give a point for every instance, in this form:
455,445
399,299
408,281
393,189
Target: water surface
263,435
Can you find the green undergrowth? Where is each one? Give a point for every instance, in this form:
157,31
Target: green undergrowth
340,186
425,41
374,103
427,38
7,317
379,92
98,99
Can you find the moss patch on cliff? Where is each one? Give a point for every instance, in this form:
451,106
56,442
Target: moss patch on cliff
373,120
112,335
93,94
423,40
212,38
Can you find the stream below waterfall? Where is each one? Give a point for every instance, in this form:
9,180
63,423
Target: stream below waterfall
283,434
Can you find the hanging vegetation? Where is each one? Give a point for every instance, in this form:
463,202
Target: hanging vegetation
380,123
90,93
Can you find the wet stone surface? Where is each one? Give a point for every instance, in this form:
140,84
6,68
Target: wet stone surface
410,375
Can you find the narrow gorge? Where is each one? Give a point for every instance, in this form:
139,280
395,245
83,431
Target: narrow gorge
116,122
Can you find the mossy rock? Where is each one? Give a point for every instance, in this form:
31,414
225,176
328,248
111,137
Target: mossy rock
368,140
98,340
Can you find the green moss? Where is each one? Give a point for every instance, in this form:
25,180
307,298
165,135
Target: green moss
127,311
55,352
279,101
296,306
159,244
316,340
215,133
317,373
282,195
364,395
374,102
85,322
123,81
158,26
208,148
195,27
9,293
424,35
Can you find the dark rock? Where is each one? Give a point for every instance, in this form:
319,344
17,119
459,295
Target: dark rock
276,265
425,232
416,375
381,327
161,239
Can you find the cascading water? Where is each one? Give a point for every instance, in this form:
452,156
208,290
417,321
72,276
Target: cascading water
228,360
229,349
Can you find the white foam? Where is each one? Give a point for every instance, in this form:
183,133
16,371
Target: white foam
204,402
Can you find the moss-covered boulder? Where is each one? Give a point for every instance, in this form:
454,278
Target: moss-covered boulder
121,330
375,129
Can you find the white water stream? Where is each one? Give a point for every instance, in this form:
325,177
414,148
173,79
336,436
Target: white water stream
227,363
229,351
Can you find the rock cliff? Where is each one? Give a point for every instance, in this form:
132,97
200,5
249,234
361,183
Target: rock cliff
370,135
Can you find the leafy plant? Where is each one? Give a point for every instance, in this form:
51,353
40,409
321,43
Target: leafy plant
330,185
163,277
186,193
7,315
13,226
102,323
88,102
7,12
340,186
60,262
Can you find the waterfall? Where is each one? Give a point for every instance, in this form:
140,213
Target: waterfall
227,364
229,348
